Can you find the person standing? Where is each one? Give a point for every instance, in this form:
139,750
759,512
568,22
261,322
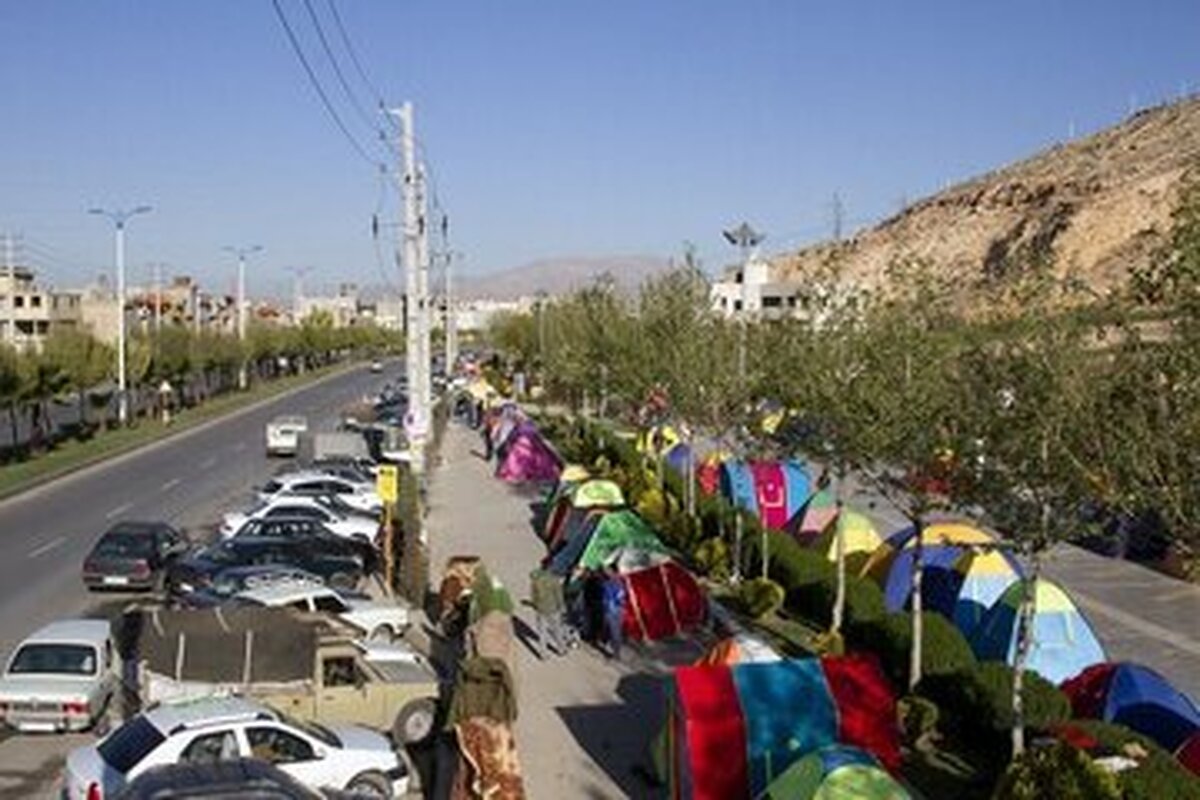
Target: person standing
613,599
549,605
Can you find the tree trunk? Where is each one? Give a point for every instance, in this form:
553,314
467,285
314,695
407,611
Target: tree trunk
839,543
1024,645
82,408
918,626
738,531
12,420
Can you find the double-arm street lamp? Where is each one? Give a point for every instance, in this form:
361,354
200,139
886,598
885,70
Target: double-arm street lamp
119,217
241,253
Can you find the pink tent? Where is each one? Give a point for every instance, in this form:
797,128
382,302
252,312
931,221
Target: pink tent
526,456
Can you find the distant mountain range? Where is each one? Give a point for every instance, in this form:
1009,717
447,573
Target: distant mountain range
558,276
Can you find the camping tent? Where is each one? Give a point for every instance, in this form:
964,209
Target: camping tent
859,535
740,648
657,440
815,516
1136,697
836,773
1188,753
774,491
661,601
943,544
526,456
733,729
1063,641
598,544
585,495
970,586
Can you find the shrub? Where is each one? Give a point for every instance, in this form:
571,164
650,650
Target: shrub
977,702
760,596
918,718
1157,775
1056,770
944,648
814,601
712,556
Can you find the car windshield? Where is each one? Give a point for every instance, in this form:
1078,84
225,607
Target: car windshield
54,659
125,545
271,487
313,729
130,743
223,553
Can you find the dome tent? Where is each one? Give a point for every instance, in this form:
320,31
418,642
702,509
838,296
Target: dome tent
836,773
1136,697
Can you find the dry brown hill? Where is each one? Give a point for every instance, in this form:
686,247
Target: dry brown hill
1093,208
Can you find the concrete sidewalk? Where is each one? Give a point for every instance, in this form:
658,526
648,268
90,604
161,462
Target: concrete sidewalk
584,721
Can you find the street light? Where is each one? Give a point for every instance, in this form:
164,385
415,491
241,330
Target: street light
119,217
241,253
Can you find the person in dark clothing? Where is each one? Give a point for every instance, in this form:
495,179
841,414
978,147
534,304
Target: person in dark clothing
593,606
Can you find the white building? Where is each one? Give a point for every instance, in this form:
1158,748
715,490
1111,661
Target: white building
751,289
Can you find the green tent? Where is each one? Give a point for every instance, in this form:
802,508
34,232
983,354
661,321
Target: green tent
836,773
598,545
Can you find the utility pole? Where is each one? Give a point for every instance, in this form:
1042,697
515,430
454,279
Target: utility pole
423,294
119,217
10,332
157,268
451,324
297,274
241,253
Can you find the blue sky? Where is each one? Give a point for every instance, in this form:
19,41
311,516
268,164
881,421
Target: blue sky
553,128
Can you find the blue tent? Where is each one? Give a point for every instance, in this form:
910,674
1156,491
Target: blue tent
1063,642
774,491
1136,697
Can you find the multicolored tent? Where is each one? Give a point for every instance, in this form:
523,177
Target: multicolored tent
970,586
943,544
774,491
734,729
859,535
526,457
814,517
1063,642
1136,697
836,773
740,648
583,495
657,440
600,544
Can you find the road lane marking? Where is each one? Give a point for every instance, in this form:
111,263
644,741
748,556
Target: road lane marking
47,547
170,484
121,509
208,462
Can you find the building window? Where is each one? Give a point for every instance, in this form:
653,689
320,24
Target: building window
18,301
792,301
737,305
772,302
36,301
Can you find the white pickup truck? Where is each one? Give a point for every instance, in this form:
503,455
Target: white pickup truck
61,678
284,433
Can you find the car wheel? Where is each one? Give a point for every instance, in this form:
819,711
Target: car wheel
344,581
382,633
370,784
415,722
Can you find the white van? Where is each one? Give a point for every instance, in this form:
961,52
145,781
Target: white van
283,435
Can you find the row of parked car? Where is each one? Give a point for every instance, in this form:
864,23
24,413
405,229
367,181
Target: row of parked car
307,543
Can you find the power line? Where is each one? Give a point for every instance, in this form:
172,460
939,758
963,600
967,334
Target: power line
337,70
362,73
316,84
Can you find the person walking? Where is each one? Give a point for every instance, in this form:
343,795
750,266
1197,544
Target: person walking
613,599
549,605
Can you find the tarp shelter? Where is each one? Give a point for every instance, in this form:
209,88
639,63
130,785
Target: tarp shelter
1063,641
836,773
662,601
599,544
589,494
740,648
859,535
734,729
1137,697
527,457
774,491
943,545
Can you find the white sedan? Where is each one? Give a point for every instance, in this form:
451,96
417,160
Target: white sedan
320,509
379,620
361,496
350,758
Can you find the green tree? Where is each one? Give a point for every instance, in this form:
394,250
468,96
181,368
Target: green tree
82,361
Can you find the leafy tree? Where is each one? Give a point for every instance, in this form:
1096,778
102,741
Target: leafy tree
10,384
82,361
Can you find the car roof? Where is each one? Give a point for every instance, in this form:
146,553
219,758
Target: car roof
220,779
91,631
290,419
308,475
283,592
174,717
137,527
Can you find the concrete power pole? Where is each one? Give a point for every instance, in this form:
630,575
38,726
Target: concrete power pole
241,253
451,323
424,310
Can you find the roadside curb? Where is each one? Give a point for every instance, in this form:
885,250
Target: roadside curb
88,466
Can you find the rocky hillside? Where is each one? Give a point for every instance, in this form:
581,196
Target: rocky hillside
558,276
1092,208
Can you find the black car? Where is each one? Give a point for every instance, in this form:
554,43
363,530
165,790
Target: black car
339,562
302,525
132,555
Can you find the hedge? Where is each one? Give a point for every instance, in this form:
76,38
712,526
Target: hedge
944,649
977,703
1056,770
1158,775
814,601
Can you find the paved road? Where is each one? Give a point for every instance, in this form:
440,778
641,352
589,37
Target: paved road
189,480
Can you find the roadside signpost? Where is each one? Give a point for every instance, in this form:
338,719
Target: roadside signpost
387,485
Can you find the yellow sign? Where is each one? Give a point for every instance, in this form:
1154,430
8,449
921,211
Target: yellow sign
387,483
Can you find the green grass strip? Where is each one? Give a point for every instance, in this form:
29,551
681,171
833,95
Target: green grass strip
73,454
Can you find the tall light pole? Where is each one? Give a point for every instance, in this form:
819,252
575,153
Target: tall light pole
241,253
119,217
